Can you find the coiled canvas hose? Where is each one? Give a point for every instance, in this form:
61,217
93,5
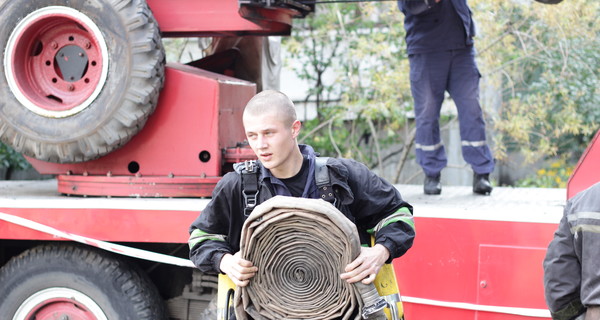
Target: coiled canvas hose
301,246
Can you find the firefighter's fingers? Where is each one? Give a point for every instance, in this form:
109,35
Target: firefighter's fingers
238,269
354,264
242,279
358,270
356,275
369,279
240,283
242,265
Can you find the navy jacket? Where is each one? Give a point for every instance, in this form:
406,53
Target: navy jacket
363,197
446,25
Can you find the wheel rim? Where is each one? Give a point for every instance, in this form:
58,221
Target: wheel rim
56,61
59,303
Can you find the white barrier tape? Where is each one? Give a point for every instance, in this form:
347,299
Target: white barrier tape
162,258
112,247
527,312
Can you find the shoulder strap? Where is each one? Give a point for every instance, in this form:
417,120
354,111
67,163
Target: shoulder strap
249,172
322,180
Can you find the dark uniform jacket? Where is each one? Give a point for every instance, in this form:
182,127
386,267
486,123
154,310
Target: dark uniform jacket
362,196
572,263
446,25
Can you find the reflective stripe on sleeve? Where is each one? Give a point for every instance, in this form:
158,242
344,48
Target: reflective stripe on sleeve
583,215
592,223
199,236
403,214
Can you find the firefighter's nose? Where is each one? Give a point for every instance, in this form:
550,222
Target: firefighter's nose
262,142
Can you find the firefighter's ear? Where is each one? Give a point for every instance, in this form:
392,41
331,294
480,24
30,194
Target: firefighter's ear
296,126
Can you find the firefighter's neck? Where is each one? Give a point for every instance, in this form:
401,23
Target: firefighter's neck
290,167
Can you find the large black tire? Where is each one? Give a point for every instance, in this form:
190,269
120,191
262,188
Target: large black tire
48,115
75,282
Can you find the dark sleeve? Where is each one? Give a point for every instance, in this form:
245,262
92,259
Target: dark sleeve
571,273
562,273
584,222
415,7
210,233
379,209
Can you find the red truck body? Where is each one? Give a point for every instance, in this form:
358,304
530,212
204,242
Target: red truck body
473,258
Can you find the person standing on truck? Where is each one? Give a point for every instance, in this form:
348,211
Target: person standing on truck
287,168
572,263
439,40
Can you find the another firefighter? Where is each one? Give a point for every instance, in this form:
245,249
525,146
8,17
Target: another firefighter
286,168
439,40
572,264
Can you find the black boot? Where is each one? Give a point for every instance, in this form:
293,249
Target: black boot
432,185
481,184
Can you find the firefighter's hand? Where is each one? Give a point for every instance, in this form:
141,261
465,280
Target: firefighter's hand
366,266
239,270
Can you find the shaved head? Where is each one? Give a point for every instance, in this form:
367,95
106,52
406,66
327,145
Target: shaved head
272,102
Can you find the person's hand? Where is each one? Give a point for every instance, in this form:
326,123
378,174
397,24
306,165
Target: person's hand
239,270
366,266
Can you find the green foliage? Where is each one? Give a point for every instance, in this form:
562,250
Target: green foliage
546,61
543,61
9,158
363,45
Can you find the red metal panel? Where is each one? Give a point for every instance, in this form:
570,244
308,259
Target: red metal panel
218,17
199,113
137,186
512,275
587,171
116,225
444,265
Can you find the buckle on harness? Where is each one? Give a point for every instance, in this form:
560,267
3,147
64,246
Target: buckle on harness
249,201
250,165
249,186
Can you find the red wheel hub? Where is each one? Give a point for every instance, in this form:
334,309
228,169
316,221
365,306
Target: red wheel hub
60,309
59,303
57,58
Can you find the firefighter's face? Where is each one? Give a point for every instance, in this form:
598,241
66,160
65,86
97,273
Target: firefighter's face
271,139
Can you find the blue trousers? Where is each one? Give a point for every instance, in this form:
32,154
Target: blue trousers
455,71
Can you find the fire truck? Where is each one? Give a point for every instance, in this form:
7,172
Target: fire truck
136,145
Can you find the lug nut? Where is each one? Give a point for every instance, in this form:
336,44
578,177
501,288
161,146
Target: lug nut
71,87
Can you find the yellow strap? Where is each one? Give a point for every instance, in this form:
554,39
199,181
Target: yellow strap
224,297
387,287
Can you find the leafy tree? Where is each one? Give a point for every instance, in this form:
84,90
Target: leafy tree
362,110
542,59
547,61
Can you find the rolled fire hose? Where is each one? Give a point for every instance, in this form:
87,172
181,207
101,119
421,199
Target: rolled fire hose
301,246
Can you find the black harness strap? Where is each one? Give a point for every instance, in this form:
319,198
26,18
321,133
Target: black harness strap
249,172
322,180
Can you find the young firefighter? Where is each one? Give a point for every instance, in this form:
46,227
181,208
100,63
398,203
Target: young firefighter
287,168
